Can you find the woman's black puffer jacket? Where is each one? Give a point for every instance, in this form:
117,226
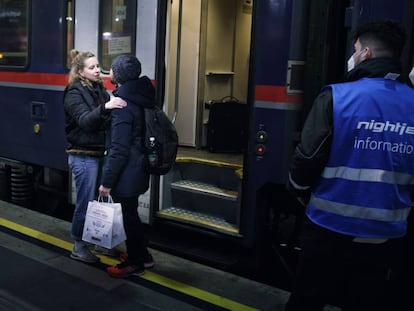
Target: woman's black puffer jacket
85,117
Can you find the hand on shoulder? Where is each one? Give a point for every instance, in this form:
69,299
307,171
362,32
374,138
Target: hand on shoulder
115,102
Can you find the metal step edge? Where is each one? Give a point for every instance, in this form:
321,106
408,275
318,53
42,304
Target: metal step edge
209,162
191,217
204,188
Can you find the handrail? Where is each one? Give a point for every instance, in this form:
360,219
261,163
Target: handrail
177,68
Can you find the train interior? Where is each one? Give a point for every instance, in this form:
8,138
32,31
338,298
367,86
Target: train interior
207,83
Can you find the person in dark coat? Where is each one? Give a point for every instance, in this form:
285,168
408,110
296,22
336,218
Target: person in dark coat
124,173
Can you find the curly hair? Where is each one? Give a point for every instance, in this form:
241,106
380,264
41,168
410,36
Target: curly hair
386,37
77,61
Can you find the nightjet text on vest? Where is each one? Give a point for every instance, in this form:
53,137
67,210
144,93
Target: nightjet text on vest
377,126
368,143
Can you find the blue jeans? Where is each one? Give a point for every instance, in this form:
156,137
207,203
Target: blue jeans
85,172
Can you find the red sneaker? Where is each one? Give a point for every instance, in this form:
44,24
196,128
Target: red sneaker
125,269
148,263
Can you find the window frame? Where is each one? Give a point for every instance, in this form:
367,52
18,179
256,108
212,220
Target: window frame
22,67
131,15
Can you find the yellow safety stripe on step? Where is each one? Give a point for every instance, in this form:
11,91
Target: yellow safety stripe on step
239,173
198,220
150,276
209,162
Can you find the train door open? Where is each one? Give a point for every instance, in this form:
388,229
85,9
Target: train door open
207,63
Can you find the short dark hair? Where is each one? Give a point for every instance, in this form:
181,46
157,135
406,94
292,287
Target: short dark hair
387,37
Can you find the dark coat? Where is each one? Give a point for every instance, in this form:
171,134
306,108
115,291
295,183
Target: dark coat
85,117
124,169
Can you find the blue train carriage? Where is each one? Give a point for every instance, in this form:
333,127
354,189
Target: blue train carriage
32,78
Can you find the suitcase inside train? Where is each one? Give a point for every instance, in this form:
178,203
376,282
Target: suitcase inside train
227,126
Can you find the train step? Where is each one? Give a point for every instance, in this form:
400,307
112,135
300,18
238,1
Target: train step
217,173
202,219
200,187
205,198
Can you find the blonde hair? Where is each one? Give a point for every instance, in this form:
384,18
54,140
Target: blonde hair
77,61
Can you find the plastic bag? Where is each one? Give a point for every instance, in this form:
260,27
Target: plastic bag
103,223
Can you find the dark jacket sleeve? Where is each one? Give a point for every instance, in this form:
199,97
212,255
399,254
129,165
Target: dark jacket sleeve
312,152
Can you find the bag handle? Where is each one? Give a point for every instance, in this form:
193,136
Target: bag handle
229,98
108,200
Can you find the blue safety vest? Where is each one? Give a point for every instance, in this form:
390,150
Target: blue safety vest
365,188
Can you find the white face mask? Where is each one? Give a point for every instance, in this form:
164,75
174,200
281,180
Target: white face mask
351,60
411,76
351,63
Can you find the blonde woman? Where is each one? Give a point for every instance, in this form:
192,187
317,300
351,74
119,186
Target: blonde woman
87,106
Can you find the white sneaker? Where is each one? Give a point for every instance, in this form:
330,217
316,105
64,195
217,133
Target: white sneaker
84,254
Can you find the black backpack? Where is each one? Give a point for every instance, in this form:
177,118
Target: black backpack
161,141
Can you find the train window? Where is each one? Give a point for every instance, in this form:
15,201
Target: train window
13,33
70,19
295,76
118,29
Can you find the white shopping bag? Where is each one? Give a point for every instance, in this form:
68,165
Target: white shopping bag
144,206
103,224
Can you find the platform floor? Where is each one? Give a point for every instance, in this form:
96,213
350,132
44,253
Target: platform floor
37,274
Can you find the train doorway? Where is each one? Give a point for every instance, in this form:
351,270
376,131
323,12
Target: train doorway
207,59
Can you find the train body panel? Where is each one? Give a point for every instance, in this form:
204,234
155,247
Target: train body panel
273,22
274,56
31,123
37,136
276,109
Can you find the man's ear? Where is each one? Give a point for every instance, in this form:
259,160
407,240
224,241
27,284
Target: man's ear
367,54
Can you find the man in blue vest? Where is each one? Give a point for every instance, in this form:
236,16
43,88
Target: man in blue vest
354,171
